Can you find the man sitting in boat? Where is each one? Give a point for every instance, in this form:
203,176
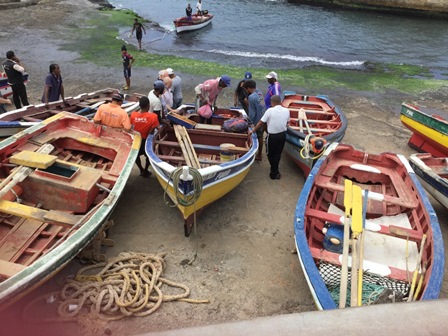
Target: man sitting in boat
207,93
189,11
112,114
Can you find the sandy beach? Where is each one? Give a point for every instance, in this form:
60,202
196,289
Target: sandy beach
245,265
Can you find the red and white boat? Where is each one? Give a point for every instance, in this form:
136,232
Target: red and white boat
183,24
5,88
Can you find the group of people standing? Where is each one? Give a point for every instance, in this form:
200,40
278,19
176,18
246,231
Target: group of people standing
15,71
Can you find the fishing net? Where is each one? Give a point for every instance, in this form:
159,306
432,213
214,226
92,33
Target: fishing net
375,289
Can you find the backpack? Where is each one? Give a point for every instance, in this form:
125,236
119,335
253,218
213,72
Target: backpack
237,125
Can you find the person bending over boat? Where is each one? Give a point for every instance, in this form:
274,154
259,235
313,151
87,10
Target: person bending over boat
112,114
277,119
128,60
241,94
145,123
189,12
54,88
139,30
155,100
274,88
167,96
206,95
256,111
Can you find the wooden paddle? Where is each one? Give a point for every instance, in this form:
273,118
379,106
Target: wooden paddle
356,231
417,268
345,247
361,248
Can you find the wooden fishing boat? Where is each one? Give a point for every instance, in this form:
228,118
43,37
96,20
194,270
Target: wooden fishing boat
315,122
85,104
187,112
395,249
433,175
5,88
61,179
183,24
198,165
430,132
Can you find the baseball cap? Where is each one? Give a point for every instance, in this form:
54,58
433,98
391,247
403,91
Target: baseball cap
272,74
248,75
170,71
159,85
226,80
117,97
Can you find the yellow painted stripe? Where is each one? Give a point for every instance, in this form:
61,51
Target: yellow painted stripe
53,118
137,141
436,136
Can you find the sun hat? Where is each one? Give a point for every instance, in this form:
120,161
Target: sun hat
248,75
226,80
170,71
272,74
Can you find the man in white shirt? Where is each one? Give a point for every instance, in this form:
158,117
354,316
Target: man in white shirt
199,7
277,119
155,102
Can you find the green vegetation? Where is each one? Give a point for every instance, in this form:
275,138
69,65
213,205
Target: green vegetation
97,42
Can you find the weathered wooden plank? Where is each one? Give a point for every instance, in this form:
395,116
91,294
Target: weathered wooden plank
18,238
8,269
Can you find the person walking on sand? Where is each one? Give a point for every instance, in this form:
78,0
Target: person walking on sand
256,111
277,119
14,71
274,88
207,94
176,88
128,60
139,30
54,88
145,123
112,114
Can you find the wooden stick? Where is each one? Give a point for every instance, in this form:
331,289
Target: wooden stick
361,249
417,268
182,145
194,157
345,247
356,231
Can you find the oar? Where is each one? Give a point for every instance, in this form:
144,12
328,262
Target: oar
356,231
345,247
88,109
417,268
361,248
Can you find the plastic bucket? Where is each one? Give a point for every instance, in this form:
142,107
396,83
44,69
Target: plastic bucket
226,156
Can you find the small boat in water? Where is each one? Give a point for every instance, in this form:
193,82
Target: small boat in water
85,104
60,181
433,175
197,164
395,249
5,88
430,132
315,122
184,24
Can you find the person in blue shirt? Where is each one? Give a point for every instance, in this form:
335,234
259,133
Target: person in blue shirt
274,88
54,88
256,109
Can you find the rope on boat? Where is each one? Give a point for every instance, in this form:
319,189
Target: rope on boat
306,149
184,199
128,285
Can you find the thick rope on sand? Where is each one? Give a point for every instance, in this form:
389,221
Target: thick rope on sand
128,285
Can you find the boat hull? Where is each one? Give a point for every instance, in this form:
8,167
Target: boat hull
430,133
433,175
184,25
77,194
218,175
327,122
320,204
5,88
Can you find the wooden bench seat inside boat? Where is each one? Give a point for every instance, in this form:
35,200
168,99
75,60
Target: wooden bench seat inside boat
205,147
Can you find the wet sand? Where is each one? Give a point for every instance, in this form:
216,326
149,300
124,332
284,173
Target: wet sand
244,264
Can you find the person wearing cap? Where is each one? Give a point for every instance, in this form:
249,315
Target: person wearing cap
176,88
112,114
145,123
256,111
207,93
139,30
14,71
277,119
155,100
241,94
54,87
128,60
274,88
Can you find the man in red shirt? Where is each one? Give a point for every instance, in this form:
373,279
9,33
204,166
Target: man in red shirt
112,114
144,122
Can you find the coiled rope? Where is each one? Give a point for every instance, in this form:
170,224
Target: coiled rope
306,149
180,198
128,285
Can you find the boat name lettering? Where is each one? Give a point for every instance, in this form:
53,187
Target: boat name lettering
209,176
223,174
